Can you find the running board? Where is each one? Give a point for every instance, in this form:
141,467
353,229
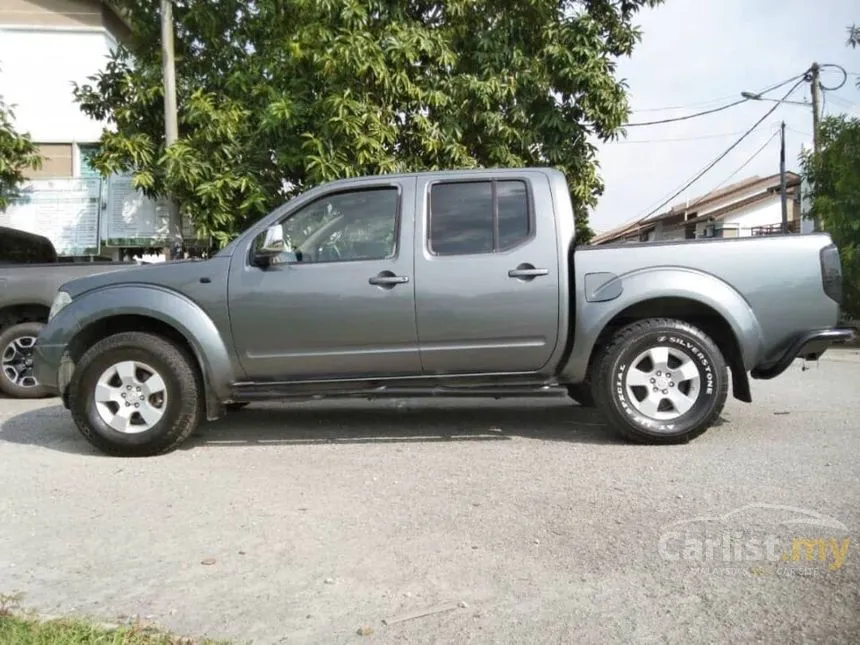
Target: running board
272,391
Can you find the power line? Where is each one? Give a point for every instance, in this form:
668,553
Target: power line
687,116
710,102
727,151
743,165
698,104
677,139
713,110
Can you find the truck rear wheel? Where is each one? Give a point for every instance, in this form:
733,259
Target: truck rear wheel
135,394
661,381
16,361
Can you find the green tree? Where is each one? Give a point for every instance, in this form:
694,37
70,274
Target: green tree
276,96
834,177
18,154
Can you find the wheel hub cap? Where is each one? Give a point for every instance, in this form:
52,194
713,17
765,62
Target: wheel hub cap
130,397
662,383
17,362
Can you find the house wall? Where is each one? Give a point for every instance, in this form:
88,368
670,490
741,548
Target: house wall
57,13
762,213
37,68
670,231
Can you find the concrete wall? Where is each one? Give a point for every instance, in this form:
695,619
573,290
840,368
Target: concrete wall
37,68
760,214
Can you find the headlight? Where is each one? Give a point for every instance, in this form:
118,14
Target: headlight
60,301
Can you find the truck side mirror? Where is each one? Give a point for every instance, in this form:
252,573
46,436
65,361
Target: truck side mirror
273,245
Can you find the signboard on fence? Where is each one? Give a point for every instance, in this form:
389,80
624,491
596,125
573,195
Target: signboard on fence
131,218
66,211
82,215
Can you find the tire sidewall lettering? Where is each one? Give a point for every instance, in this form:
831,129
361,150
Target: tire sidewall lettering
690,348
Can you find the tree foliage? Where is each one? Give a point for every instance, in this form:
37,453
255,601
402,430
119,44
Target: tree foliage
276,96
834,179
834,175
18,154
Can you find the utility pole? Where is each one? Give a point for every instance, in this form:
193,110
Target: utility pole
783,196
816,88
171,127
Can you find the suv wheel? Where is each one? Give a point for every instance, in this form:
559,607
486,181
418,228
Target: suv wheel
661,381
136,394
16,361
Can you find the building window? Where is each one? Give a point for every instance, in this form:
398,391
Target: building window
86,151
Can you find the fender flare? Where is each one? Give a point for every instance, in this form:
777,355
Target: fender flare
654,283
163,305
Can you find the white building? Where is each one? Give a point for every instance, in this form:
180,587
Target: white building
45,46
747,208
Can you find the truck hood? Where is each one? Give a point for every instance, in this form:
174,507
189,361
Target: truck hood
168,274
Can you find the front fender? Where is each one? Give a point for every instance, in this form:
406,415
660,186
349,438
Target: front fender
163,305
648,284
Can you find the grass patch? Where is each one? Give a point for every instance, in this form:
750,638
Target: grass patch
18,629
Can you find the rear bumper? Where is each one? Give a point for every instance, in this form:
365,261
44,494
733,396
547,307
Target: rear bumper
810,345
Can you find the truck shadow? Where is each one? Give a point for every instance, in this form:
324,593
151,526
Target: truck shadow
409,421
352,422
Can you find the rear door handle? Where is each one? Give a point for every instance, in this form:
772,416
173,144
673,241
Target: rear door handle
523,272
388,279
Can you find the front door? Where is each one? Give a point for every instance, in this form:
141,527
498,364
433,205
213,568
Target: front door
341,303
487,274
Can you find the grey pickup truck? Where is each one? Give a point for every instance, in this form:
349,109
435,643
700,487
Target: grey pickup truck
454,283
30,274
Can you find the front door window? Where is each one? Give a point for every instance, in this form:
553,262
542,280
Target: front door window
343,227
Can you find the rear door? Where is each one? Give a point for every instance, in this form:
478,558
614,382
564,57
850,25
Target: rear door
487,273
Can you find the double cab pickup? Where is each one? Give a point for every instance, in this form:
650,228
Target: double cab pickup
450,283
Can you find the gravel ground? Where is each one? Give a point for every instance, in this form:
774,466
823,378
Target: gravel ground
502,522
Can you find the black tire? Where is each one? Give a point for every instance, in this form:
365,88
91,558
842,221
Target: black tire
615,363
183,409
581,393
28,387
235,406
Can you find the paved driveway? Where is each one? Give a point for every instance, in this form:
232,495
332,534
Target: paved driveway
501,522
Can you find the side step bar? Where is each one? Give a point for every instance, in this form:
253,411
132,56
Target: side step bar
274,391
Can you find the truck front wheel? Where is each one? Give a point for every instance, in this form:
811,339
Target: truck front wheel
661,381
136,394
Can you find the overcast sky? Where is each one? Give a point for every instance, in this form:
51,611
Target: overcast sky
700,54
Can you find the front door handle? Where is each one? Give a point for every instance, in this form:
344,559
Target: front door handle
527,271
388,279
